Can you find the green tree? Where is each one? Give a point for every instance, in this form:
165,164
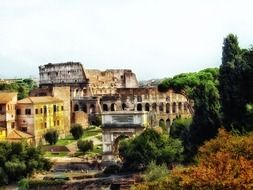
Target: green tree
150,146
233,104
51,136
85,146
19,160
76,131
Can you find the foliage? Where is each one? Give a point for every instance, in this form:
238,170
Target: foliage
202,88
155,172
225,162
112,169
231,79
150,146
23,87
85,146
76,131
180,129
36,184
51,136
18,160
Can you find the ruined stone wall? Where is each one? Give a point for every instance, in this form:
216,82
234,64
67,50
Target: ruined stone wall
62,74
106,82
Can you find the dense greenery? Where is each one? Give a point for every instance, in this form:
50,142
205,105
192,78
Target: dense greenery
150,146
202,88
51,136
18,160
236,82
76,131
225,162
23,87
85,146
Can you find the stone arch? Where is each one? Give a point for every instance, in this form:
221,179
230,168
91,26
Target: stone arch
113,107
147,107
105,107
139,107
92,108
124,106
168,108
180,107
161,108
161,123
115,146
84,108
174,107
76,107
168,123
154,106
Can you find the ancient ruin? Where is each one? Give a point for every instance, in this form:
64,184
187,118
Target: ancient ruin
89,93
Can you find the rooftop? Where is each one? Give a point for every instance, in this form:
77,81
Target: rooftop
16,134
39,100
6,97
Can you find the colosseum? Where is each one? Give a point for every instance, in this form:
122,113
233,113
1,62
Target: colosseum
88,93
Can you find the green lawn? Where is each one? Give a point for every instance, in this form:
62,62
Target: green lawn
61,154
67,140
92,131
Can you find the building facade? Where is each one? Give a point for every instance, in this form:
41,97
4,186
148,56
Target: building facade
8,101
36,115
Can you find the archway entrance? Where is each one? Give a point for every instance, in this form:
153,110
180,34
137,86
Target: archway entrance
117,142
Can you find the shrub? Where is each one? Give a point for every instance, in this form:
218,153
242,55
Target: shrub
51,136
155,172
85,146
150,146
76,131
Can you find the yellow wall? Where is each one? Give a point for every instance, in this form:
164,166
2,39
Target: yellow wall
39,122
2,135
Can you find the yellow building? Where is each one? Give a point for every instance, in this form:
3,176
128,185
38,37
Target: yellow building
36,115
8,102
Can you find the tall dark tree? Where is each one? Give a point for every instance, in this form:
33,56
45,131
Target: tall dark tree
233,103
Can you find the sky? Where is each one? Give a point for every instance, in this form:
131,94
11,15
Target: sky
154,38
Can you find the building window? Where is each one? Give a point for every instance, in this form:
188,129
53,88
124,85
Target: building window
55,108
45,109
62,108
36,111
45,125
58,122
1,108
18,112
28,111
41,110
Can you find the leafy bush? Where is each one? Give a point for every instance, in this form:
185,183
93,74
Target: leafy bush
18,160
51,136
112,169
85,146
155,172
76,131
150,146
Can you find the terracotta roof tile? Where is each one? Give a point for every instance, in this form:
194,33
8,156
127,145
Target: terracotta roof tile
38,100
6,97
16,134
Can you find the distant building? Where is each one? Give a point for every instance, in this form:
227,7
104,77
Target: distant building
36,115
8,102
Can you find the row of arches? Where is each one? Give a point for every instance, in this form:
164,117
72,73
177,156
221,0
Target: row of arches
84,108
168,108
